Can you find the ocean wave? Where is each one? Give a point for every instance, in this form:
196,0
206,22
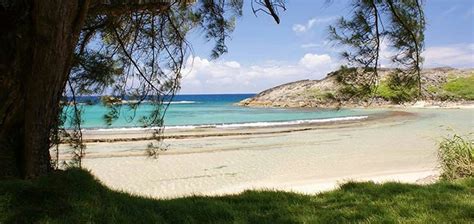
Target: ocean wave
287,123
148,101
182,102
243,125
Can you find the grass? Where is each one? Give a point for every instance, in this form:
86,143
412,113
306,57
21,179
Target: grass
456,155
74,196
390,90
384,91
320,95
460,88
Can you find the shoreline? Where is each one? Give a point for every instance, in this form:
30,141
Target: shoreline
180,132
124,135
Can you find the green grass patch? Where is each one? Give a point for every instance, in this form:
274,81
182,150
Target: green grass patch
460,88
395,90
75,196
456,155
384,91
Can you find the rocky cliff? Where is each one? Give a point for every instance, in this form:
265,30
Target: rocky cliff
440,85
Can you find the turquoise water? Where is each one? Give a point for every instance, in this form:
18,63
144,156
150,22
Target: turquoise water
198,110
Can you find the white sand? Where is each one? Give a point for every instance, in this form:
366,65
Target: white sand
399,149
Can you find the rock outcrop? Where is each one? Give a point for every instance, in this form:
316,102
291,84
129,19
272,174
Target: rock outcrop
324,93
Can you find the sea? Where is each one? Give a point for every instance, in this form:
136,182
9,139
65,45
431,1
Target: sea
211,110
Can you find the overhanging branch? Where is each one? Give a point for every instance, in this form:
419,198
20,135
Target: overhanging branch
118,7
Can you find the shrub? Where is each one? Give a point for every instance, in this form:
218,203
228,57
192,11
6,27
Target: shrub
320,95
456,155
354,83
460,88
397,89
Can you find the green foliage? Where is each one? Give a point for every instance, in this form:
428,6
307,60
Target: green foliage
397,89
95,72
456,155
354,83
320,95
74,196
406,35
460,88
433,89
138,52
400,24
113,104
212,18
361,35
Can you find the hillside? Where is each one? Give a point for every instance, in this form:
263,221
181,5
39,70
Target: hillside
441,87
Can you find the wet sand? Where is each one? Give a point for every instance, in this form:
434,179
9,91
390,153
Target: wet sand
393,146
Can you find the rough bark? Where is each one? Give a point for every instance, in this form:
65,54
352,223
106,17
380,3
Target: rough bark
37,41
37,44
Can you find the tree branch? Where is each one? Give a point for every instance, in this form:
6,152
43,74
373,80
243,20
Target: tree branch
119,7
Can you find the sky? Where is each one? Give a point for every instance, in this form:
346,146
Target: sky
263,54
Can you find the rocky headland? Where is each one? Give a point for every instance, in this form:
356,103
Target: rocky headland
441,87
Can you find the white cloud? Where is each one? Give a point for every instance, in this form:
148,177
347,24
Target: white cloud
314,61
457,55
299,28
386,54
302,28
204,76
233,64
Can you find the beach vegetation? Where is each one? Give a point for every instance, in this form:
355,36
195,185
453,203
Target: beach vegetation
456,156
433,90
352,84
75,196
460,88
396,89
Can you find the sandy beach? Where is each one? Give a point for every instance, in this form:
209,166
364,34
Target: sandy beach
396,145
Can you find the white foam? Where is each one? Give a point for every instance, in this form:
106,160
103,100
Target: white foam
296,122
242,125
181,102
148,101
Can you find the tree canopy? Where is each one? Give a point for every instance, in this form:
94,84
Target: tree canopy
135,50
398,24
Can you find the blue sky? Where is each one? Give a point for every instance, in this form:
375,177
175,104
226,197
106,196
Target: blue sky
263,54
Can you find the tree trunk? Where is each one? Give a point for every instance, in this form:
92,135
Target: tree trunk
37,41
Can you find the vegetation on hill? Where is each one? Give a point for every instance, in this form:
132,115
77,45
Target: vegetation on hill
390,90
397,89
74,196
460,88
